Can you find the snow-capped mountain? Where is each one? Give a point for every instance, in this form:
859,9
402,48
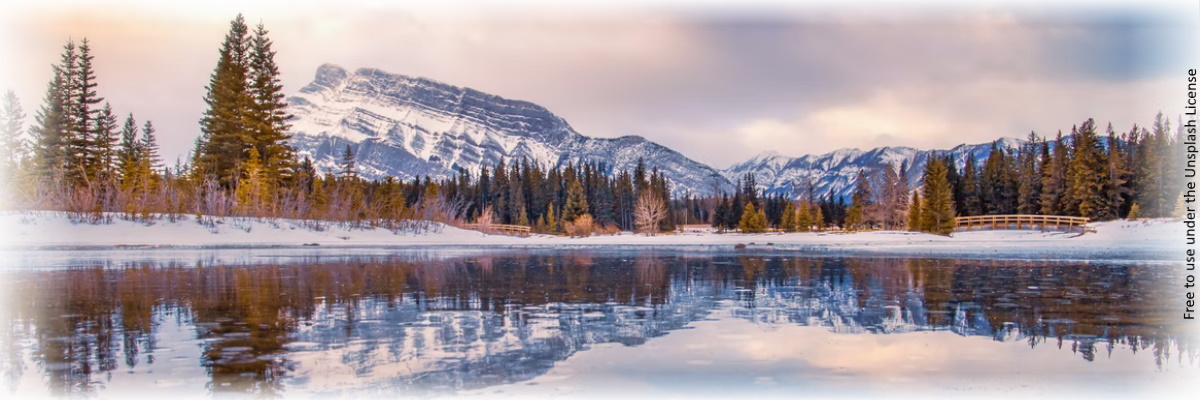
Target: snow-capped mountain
413,127
837,172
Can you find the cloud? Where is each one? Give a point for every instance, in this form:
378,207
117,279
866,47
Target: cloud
718,87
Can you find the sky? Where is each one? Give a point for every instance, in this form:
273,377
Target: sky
717,81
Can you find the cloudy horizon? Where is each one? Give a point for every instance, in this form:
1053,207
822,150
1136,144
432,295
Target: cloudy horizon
718,87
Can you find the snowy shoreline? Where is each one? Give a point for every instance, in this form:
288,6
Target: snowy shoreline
42,234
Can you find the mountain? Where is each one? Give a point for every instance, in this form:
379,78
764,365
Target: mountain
837,172
413,127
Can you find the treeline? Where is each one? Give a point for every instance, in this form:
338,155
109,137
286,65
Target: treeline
1133,174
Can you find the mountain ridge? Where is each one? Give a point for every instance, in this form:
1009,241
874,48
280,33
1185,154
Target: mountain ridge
412,127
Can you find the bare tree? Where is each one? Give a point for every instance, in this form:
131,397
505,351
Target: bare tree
648,212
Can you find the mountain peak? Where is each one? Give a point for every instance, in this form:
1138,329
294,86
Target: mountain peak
415,127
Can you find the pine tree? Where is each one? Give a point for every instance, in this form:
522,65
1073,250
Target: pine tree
127,155
753,220
914,212
348,169
1030,182
104,143
1054,178
268,116
804,219
51,129
937,212
1090,167
227,119
819,219
576,204
1116,187
11,125
251,192
970,188
551,220
788,219
149,147
86,112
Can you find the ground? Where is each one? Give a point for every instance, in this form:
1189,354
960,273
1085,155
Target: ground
39,232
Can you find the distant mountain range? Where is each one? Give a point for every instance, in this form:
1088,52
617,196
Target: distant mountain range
412,127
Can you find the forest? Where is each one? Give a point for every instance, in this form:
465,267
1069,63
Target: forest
79,156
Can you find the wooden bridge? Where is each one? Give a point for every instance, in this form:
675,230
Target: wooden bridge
1019,222
516,230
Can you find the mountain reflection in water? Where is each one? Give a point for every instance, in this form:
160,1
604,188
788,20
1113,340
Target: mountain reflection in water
403,324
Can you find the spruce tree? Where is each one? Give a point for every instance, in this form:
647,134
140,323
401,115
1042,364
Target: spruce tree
1090,168
937,212
788,219
86,112
348,169
551,220
804,218
970,188
127,155
51,130
227,119
576,204
149,147
1054,178
268,116
11,125
104,142
914,212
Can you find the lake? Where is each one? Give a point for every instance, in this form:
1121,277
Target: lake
592,324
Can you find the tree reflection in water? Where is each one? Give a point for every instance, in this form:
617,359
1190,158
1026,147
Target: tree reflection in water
443,325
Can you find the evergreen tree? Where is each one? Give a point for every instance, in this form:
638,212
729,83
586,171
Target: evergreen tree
348,168
127,155
85,114
1054,178
753,220
551,219
268,115
149,147
1090,168
788,219
576,202
719,213
51,130
937,210
11,125
804,218
914,213
971,202
1029,180
819,219
1117,185
104,144
227,119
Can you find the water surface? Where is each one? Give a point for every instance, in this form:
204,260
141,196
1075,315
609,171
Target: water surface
593,324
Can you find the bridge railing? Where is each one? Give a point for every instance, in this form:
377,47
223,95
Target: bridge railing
503,229
1019,222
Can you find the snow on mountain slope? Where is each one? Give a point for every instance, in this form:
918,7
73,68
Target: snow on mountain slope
411,127
837,172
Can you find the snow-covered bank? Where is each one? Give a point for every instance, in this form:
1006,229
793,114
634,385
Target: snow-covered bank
26,232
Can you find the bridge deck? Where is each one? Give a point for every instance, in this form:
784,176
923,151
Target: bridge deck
1020,222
